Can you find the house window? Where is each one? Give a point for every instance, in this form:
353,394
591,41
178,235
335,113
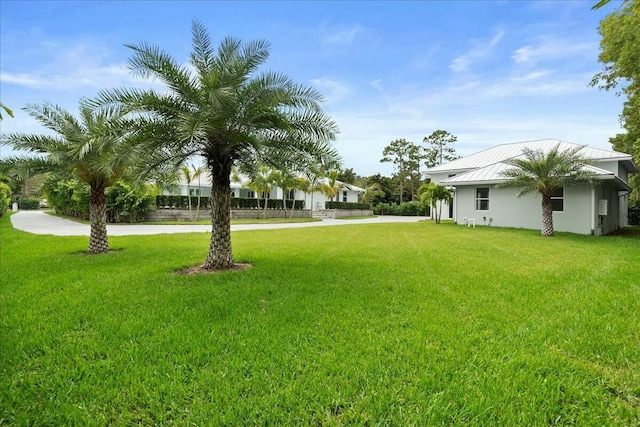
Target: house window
482,199
557,200
251,194
292,194
344,196
194,191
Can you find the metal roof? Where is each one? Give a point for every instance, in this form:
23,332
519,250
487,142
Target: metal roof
494,174
503,152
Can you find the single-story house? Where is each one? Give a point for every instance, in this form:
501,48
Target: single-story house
598,208
314,201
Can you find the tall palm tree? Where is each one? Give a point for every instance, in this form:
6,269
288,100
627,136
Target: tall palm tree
97,148
225,110
545,173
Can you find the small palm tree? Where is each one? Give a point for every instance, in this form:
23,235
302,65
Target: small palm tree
98,148
545,173
223,109
286,181
262,182
331,188
189,173
431,194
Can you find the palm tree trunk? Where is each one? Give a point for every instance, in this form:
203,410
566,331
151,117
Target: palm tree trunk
98,240
266,201
547,217
220,256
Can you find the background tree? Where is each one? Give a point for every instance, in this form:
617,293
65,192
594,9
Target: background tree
348,176
439,148
98,148
373,194
620,54
386,185
222,108
406,159
545,173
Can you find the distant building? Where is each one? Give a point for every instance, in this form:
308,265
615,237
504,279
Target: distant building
347,193
585,209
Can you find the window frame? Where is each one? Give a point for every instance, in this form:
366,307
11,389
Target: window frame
558,199
479,200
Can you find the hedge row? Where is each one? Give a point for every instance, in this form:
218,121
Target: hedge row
28,203
347,205
404,209
182,202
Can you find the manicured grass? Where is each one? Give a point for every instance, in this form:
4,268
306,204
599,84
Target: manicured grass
376,324
359,217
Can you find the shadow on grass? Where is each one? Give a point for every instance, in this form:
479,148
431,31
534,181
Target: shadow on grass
627,232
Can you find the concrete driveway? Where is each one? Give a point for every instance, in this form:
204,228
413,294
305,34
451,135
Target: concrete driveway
38,222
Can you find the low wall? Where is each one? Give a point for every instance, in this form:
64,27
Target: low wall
343,213
185,215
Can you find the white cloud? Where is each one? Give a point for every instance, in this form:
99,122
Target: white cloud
376,84
339,37
481,49
333,90
553,48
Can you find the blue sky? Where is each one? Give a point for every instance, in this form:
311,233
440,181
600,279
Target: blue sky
489,72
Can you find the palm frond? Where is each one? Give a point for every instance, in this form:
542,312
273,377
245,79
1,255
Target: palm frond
203,55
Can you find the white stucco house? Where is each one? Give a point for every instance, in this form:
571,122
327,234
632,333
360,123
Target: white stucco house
598,208
314,201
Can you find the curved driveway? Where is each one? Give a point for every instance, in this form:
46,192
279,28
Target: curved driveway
38,222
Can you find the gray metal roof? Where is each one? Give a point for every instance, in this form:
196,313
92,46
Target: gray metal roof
503,152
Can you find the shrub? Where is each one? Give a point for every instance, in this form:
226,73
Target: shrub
412,208
68,197
5,197
127,202
29,203
634,212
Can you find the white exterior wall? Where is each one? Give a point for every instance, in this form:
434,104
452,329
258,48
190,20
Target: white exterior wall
507,210
319,199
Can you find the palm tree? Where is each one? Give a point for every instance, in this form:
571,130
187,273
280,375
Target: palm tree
189,173
98,148
6,109
331,188
545,173
262,182
223,109
286,181
431,194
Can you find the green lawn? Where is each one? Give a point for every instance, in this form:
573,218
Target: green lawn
376,324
